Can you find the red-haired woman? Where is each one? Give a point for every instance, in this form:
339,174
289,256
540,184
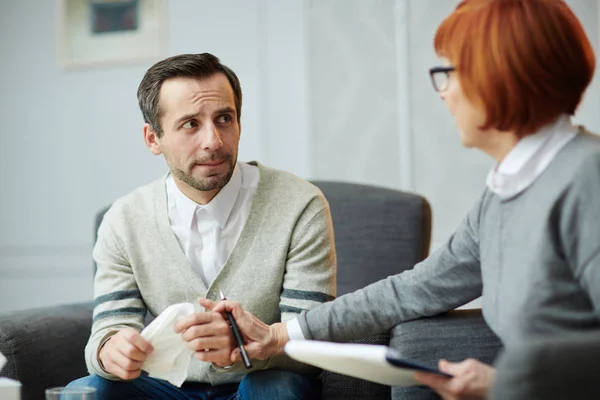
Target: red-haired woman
514,72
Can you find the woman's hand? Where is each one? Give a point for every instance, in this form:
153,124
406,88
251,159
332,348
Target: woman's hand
261,340
472,380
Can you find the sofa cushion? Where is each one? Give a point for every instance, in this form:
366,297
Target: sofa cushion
30,339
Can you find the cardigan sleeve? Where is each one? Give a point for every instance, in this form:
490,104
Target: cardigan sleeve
118,303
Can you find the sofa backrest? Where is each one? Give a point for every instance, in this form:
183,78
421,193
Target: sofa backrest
378,231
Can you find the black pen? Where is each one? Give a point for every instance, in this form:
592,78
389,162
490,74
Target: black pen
237,334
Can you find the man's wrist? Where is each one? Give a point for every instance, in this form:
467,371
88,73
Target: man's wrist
101,347
100,353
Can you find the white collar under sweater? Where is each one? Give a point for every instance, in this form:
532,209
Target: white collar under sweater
208,233
529,158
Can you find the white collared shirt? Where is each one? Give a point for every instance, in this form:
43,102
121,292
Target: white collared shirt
207,234
529,158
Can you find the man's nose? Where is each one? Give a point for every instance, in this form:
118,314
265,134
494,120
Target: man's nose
210,138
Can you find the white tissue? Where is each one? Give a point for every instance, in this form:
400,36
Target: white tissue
171,357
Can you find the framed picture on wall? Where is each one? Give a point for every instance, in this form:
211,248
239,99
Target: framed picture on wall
104,32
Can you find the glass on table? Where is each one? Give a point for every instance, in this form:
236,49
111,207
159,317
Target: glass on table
71,393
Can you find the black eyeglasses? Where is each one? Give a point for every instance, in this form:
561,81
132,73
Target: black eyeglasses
440,77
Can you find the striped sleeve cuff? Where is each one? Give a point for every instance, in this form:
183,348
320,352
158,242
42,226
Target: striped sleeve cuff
295,301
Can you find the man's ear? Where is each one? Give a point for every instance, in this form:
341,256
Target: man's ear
151,139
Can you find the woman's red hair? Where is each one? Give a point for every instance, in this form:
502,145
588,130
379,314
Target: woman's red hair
524,61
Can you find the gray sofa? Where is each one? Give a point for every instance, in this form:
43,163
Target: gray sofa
378,232
557,368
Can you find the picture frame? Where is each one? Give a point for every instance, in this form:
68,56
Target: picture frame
109,32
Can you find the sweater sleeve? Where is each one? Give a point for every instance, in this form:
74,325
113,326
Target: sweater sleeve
580,228
309,279
448,278
310,271
117,301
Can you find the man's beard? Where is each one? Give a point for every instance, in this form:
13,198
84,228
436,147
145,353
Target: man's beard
210,182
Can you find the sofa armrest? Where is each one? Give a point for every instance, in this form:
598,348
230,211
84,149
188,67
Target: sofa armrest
455,336
45,346
550,368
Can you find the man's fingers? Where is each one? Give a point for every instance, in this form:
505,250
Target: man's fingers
217,326
131,337
123,373
124,362
194,319
207,303
212,343
132,352
219,357
244,319
136,339
233,307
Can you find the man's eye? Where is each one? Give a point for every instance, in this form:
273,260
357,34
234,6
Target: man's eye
189,125
224,119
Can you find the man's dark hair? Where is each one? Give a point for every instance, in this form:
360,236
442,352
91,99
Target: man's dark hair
185,65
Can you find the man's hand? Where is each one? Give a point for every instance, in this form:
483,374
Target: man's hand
123,354
472,380
209,335
261,340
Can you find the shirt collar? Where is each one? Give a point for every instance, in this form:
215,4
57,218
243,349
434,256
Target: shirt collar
530,157
219,207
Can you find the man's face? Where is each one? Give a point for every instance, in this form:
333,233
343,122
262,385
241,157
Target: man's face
200,130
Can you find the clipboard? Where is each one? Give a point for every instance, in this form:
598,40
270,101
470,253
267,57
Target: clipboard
375,363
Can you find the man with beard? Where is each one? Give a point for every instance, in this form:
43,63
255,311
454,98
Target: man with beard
261,235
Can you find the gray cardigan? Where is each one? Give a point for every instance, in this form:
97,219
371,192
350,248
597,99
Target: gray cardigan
535,259
284,262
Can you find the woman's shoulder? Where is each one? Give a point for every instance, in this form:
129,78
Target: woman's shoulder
586,143
578,160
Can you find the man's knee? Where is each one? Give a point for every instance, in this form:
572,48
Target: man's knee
279,384
91,380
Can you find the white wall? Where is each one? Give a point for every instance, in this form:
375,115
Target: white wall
375,116
333,89
71,140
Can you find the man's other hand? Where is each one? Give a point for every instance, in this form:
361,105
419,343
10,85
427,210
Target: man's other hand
123,354
209,335
261,340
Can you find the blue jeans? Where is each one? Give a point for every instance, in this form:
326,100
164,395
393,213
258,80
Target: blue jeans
268,384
